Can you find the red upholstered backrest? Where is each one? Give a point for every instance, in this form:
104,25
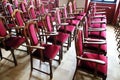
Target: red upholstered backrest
19,18
74,5
79,43
16,3
65,11
33,34
49,24
70,7
32,12
42,9
25,1
2,29
86,28
23,7
4,2
58,16
10,9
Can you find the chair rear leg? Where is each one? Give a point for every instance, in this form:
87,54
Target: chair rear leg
0,54
14,59
51,74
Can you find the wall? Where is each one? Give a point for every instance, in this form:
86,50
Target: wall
61,2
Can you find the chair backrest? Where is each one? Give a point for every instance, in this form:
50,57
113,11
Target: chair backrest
31,11
22,6
4,2
3,30
58,15
85,28
18,17
26,2
70,7
31,32
42,9
74,5
65,11
9,8
79,43
31,2
49,25
16,3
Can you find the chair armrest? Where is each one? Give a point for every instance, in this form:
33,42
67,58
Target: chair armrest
52,11
94,40
96,29
99,17
60,7
91,60
62,24
67,18
36,47
50,34
73,13
98,22
7,36
100,12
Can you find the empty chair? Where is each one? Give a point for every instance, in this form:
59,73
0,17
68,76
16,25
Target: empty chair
58,38
23,8
63,26
19,20
9,42
38,50
92,63
97,35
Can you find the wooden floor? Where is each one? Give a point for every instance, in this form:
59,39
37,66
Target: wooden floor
64,71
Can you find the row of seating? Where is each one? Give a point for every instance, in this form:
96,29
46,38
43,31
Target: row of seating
45,32
43,39
90,44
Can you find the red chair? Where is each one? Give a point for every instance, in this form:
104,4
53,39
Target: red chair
19,20
16,4
39,50
97,35
93,31
58,38
9,10
9,42
92,63
64,27
34,16
80,14
77,18
23,7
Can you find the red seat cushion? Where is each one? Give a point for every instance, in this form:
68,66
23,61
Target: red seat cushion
58,39
102,48
91,66
68,28
75,22
98,25
40,24
49,52
11,25
14,42
97,34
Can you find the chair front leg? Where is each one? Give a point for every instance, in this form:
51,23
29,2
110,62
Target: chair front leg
51,74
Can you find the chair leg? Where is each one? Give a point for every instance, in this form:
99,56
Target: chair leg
15,61
0,54
31,61
51,74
